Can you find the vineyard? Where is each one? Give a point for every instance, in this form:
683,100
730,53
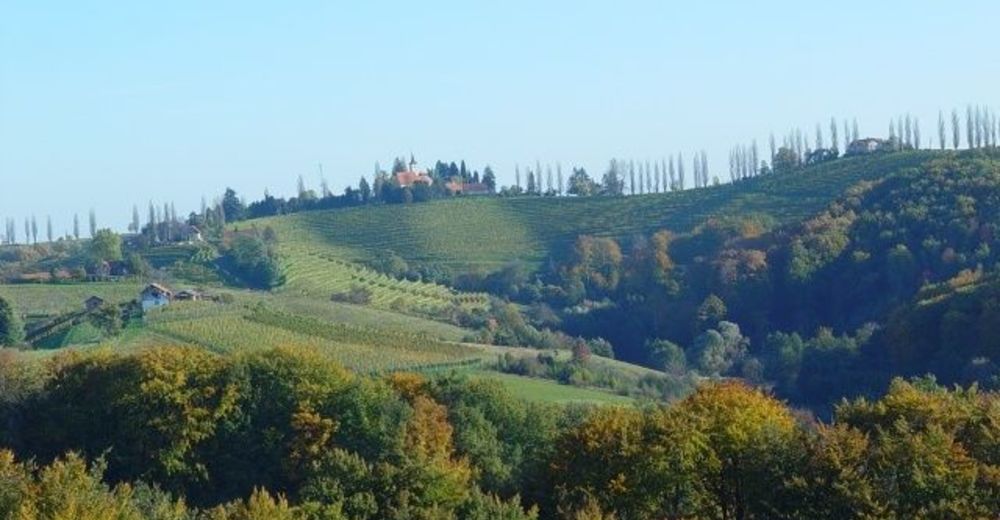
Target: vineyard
235,328
312,271
488,232
41,300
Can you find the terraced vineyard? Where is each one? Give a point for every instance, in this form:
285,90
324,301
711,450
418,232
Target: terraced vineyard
488,232
233,328
312,270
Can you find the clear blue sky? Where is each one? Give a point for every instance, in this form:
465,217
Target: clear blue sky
113,103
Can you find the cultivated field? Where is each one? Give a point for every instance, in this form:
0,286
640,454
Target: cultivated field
488,232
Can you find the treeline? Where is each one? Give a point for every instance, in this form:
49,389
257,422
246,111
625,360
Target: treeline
177,433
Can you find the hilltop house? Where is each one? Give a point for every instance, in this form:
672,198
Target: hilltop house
155,295
867,146
406,179
188,295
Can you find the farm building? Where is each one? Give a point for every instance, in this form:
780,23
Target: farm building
188,295
468,188
866,146
93,302
155,295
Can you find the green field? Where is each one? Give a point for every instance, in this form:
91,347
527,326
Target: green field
489,232
53,299
543,390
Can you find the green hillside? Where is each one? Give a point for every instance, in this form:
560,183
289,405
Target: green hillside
488,232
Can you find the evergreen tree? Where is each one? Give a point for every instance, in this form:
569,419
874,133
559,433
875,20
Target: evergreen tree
364,190
908,133
93,223
34,230
531,182
673,174
76,226
548,179
27,230
774,146
48,229
152,222
916,133
755,156
657,177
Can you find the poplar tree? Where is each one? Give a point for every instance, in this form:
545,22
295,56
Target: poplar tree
34,230
819,137
27,230
548,179
76,226
559,176
93,223
631,179
941,130
916,133
48,228
680,171
834,141
152,222
649,179
774,147
673,174
134,226
656,175
847,136
909,130
704,167
956,129
970,132
855,125
517,177
755,156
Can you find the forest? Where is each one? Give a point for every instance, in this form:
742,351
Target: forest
178,433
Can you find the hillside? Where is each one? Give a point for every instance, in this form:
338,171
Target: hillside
488,232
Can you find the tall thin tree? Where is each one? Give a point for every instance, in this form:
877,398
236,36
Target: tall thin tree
942,136
956,129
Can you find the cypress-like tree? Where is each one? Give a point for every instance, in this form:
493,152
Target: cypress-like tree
548,179
48,229
855,129
93,223
970,132
631,178
517,176
941,130
847,136
774,146
956,129
76,226
680,171
819,137
34,230
704,167
559,175
152,222
916,133
755,156
134,226
834,141
909,130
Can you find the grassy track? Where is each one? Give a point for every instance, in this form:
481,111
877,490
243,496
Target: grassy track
543,390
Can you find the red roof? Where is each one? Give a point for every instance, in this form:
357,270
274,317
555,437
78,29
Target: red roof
409,178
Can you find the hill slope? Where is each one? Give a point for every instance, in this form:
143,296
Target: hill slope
488,232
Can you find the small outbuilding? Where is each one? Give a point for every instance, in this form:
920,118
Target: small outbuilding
155,295
93,302
188,295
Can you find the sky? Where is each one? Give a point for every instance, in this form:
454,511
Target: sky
108,104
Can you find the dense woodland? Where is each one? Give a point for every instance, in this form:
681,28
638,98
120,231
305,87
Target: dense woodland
285,434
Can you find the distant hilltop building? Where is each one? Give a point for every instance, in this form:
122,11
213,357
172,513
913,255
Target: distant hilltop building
468,188
868,145
411,176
